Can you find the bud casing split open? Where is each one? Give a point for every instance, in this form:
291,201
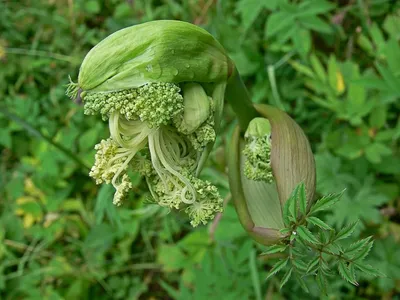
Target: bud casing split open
259,203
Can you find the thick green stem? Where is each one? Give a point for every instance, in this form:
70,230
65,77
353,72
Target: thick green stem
239,98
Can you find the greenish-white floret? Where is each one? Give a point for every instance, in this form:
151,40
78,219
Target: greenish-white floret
155,103
144,138
257,151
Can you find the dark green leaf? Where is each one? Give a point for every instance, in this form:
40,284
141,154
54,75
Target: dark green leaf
299,264
318,67
306,235
286,277
300,281
392,81
277,267
363,252
321,281
318,222
368,269
289,209
249,10
345,272
326,202
310,8
346,231
316,24
278,22
302,199
274,249
313,265
355,247
293,205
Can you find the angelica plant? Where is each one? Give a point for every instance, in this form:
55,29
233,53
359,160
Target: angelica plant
163,104
161,87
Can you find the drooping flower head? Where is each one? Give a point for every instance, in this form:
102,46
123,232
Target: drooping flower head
161,87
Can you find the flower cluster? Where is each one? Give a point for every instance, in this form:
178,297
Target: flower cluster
257,151
147,136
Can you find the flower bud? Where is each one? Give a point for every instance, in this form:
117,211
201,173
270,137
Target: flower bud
259,204
196,107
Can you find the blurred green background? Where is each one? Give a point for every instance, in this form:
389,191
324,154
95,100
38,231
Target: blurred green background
333,66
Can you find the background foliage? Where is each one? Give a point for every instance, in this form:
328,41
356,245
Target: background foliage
334,66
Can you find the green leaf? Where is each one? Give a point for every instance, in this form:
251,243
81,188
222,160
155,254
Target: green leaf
390,79
318,222
274,249
290,207
326,202
299,264
313,265
364,204
310,8
321,281
302,69
5,138
293,204
346,231
250,9
315,23
392,25
318,67
333,248
122,10
333,71
375,151
302,199
368,269
393,55
357,246
277,22
378,116
306,235
92,6
286,277
171,257
302,41
377,36
345,272
363,252
300,281
277,267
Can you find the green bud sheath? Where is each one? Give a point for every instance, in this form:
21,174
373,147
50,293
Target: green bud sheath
196,107
158,51
258,127
259,204
291,156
